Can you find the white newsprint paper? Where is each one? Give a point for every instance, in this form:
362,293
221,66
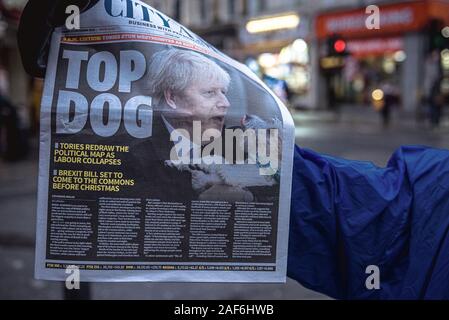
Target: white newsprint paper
161,159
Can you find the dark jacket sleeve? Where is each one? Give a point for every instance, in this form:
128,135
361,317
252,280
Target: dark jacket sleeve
348,215
37,22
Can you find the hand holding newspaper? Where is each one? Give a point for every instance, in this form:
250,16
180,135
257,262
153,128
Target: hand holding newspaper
162,159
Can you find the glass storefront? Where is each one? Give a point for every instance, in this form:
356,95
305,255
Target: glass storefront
362,75
290,65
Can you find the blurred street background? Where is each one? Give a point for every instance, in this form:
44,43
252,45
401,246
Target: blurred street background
359,85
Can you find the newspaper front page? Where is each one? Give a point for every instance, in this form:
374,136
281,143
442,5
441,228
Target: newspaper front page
161,159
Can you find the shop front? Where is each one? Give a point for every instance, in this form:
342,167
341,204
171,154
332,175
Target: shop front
277,48
391,56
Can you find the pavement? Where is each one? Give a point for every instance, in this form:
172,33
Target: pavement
356,133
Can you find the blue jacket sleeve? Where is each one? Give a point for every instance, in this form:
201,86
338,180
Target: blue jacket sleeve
348,215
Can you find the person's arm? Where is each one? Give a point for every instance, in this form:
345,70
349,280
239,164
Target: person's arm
347,215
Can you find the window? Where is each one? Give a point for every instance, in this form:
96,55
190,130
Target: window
177,7
261,5
231,8
216,11
244,8
156,5
203,10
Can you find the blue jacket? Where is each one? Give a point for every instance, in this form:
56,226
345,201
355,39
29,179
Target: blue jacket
347,215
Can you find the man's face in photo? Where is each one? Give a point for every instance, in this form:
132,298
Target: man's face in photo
204,100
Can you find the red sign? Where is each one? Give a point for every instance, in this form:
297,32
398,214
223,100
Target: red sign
376,46
394,19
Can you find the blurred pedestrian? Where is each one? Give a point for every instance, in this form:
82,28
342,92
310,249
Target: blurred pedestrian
332,99
436,103
12,145
390,100
431,87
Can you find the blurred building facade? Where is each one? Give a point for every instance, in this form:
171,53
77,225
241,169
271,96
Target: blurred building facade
280,53
394,54
289,40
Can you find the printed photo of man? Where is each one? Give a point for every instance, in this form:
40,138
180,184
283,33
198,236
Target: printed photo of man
185,87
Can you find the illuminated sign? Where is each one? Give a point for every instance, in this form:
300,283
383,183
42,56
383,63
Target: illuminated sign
288,21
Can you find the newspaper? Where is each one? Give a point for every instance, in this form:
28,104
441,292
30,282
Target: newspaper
161,159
